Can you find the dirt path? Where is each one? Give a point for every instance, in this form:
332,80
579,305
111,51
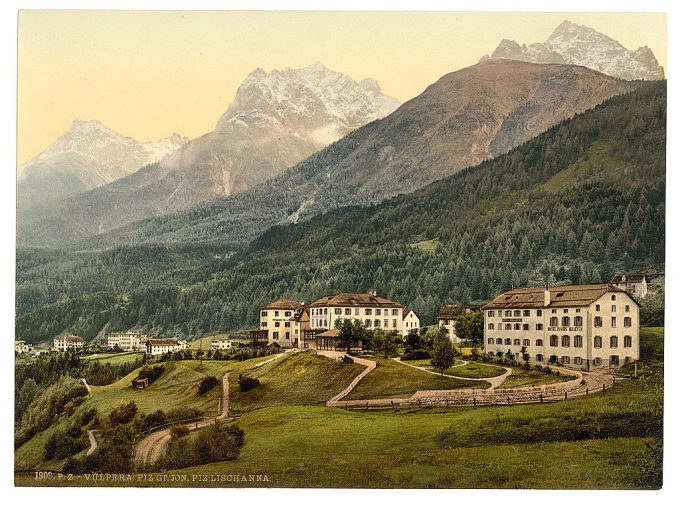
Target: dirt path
93,442
494,381
87,386
150,448
369,364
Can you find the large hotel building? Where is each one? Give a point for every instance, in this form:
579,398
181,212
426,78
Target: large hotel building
583,327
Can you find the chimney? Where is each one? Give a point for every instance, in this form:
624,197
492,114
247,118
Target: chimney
373,292
546,297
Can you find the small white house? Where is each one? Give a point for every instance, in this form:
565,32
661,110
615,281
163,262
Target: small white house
221,344
158,346
410,323
635,284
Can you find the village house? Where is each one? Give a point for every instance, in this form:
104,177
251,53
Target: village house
61,344
635,284
411,322
127,341
447,315
583,327
158,346
22,347
281,322
220,344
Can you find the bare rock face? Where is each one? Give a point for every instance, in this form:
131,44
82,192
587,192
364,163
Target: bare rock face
579,45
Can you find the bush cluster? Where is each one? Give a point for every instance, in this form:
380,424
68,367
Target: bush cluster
123,414
246,383
219,442
207,383
62,444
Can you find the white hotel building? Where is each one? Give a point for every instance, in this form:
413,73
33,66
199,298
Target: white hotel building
583,327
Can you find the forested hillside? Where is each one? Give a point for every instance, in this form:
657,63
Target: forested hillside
575,204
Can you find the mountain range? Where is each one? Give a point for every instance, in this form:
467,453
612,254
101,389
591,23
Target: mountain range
276,120
580,45
464,118
87,156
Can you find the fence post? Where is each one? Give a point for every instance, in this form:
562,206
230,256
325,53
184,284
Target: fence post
541,397
603,388
474,401
586,391
508,400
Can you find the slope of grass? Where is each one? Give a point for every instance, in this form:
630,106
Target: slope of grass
522,378
393,380
476,371
114,359
301,379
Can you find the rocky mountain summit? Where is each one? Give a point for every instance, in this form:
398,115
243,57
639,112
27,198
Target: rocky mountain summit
579,45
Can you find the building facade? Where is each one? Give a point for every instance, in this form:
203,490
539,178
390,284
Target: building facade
62,344
22,347
158,346
635,284
127,341
221,344
374,311
284,322
447,315
410,323
582,327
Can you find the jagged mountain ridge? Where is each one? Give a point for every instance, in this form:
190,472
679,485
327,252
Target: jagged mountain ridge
575,44
87,156
276,120
464,118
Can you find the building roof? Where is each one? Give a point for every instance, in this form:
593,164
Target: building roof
283,304
621,278
71,338
333,332
162,341
452,311
560,296
354,300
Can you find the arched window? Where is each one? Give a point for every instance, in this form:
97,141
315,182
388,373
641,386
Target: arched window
517,326
565,340
516,341
526,313
598,322
499,341
627,321
553,340
597,342
526,342
539,342
627,341
578,321
491,326
508,326
525,326
553,321
539,357
613,341
508,341
578,341
508,313
489,341
565,321
613,298
517,313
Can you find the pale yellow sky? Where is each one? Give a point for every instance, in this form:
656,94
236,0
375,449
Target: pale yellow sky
147,74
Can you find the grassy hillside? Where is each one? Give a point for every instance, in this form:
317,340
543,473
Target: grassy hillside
301,379
114,359
392,380
574,205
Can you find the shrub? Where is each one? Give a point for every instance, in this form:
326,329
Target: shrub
416,354
246,383
123,414
73,404
547,369
63,444
346,360
219,442
87,416
151,372
179,431
207,384
183,414
154,420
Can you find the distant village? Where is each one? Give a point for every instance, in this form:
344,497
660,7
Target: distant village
576,326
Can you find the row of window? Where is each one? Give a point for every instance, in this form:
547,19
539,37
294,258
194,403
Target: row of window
275,335
277,324
539,312
348,311
554,322
286,313
566,341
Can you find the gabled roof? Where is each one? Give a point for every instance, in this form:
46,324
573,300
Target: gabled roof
333,332
354,300
162,341
621,278
454,310
283,304
560,296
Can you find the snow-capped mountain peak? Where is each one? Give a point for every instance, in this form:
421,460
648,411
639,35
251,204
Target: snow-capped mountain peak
580,45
